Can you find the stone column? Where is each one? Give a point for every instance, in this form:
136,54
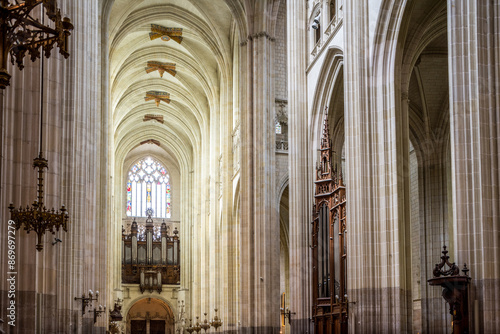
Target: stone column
48,281
300,210
227,232
433,230
474,55
259,256
376,157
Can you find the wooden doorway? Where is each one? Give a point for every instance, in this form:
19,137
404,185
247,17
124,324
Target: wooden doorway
150,316
138,327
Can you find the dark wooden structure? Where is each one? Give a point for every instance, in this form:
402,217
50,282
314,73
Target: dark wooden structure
150,259
329,280
455,291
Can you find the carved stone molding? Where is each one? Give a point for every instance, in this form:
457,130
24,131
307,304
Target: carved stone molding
236,149
281,107
257,36
282,145
220,176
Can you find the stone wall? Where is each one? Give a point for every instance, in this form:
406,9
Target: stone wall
48,281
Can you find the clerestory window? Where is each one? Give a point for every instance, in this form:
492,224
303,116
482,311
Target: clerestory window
148,187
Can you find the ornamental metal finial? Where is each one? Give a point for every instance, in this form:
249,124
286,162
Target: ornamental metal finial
22,34
438,269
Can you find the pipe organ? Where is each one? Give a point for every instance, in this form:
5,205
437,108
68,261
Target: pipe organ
329,250
150,256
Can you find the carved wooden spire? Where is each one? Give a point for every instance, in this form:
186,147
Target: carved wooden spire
329,267
325,137
324,167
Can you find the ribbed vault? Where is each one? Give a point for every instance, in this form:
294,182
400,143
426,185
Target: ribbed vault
171,97
203,62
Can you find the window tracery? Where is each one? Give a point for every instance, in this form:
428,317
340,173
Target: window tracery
148,187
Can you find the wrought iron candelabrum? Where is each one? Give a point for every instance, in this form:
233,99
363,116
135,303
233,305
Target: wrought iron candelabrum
197,327
86,301
205,325
37,217
190,328
21,33
181,322
216,321
97,312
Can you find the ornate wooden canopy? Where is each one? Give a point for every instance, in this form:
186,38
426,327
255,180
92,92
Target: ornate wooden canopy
329,282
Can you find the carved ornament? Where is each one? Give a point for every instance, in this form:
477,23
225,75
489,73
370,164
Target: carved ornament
161,68
151,117
157,96
158,31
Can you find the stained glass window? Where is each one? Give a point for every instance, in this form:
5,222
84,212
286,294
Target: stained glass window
278,128
148,187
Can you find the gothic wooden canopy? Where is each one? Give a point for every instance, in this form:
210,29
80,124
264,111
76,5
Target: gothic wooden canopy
329,282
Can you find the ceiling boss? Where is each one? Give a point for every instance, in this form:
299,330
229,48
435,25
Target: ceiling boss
158,31
161,68
157,96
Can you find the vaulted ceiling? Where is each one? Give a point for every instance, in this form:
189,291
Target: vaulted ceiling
425,66
202,58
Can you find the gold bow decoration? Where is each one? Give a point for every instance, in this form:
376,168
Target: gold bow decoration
161,68
150,117
157,96
158,31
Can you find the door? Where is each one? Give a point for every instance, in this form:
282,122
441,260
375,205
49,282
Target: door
157,327
138,327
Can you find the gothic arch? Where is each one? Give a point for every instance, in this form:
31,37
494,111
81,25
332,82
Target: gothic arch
284,206
138,156
154,303
330,76
408,35
168,306
282,184
284,245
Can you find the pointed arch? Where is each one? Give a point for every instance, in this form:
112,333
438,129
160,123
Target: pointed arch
330,79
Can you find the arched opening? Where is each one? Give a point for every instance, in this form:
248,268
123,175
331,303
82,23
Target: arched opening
425,96
150,316
148,187
172,69
336,121
284,259
333,10
329,281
